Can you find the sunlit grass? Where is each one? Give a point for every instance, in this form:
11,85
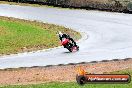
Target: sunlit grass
21,35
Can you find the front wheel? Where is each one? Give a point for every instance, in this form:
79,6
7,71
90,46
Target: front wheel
70,50
77,47
68,46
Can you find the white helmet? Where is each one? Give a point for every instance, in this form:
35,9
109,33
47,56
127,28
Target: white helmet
60,33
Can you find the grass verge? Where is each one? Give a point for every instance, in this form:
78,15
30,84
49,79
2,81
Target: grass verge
22,35
75,85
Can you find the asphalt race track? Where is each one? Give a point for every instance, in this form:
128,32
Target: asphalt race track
106,36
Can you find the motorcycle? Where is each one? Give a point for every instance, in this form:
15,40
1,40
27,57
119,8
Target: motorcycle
70,46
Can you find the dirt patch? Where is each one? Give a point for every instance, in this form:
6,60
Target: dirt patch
58,73
3,31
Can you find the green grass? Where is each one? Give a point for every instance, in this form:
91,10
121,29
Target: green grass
71,85
21,35
75,85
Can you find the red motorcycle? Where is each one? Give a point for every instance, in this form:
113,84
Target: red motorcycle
70,46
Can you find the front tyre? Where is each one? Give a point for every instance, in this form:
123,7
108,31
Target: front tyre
69,50
77,48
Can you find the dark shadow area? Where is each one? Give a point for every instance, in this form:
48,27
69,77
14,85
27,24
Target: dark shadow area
66,52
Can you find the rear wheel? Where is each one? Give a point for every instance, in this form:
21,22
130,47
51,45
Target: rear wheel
75,48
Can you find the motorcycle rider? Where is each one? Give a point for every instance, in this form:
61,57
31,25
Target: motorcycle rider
63,35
